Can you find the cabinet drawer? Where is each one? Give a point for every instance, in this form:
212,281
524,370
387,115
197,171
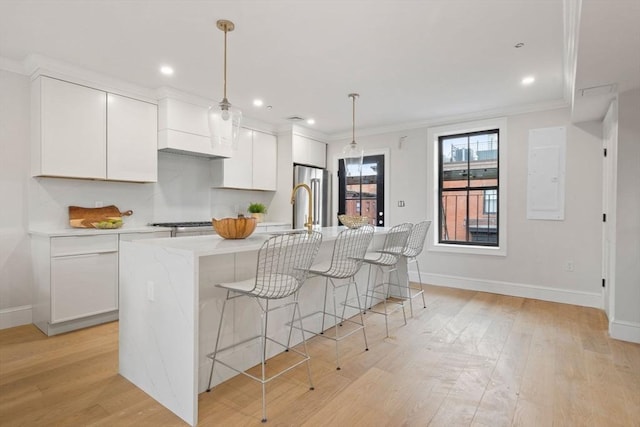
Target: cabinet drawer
76,245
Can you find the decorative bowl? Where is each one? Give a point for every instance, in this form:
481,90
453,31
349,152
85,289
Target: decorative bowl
353,221
234,228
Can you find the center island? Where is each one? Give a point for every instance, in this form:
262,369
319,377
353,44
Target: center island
170,309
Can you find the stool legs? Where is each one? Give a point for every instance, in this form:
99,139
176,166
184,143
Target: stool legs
215,350
420,292
263,337
384,295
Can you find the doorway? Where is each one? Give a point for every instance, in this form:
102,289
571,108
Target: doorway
363,195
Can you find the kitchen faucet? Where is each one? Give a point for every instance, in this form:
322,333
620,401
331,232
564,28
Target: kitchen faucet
309,223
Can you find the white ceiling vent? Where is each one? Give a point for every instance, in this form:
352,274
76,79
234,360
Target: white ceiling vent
598,90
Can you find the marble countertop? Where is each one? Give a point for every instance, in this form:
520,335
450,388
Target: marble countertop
94,231
216,245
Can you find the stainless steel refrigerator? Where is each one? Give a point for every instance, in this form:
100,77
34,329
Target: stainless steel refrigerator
318,180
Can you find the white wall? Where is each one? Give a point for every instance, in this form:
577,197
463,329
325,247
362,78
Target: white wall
537,250
626,322
15,265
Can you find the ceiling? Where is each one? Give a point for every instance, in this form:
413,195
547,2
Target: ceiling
410,60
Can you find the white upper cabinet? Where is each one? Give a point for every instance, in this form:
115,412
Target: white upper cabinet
183,127
265,161
132,144
253,165
78,134
70,130
307,151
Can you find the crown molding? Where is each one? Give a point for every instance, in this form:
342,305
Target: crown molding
445,120
36,65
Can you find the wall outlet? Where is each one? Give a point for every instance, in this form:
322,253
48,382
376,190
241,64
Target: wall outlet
151,291
99,204
401,203
568,266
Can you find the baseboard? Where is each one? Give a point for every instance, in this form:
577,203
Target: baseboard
15,316
565,296
625,331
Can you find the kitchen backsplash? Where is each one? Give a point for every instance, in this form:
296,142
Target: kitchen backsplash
183,193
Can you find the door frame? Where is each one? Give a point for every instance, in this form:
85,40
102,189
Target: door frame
386,153
609,196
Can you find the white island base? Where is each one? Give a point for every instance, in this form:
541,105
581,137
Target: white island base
170,309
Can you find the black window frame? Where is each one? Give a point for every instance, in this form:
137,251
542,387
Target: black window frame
494,229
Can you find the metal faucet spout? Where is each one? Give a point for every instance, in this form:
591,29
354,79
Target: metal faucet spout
309,223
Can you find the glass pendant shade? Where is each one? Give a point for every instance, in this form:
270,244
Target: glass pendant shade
352,155
224,126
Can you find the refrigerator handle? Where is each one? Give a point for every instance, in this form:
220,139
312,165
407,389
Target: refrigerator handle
315,191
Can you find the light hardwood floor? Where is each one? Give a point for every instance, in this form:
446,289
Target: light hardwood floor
469,358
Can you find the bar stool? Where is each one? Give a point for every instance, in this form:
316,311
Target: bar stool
283,265
348,252
414,247
386,261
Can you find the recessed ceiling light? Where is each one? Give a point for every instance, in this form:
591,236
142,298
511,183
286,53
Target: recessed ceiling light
311,121
528,80
166,70
258,102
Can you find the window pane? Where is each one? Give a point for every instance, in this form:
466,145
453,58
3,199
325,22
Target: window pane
454,216
469,188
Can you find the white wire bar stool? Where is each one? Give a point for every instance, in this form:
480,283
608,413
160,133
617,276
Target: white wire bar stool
283,266
386,261
348,252
415,245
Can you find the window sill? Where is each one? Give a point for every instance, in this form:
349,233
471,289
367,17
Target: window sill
468,249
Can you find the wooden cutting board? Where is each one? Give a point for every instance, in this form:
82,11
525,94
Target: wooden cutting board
83,217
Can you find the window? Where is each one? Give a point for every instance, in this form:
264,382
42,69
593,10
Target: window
363,194
468,176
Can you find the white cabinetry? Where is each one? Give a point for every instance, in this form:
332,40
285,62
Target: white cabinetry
253,165
70,130
81,132
76,280
132,142
183,127
307,151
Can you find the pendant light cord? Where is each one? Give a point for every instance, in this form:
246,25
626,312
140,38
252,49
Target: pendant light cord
225,63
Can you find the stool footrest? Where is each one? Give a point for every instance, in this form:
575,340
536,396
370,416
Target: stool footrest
213,356
341,321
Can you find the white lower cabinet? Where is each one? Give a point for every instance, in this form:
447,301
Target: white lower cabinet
76,279
83,285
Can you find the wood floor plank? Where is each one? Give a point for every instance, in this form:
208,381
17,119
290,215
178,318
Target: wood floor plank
469,358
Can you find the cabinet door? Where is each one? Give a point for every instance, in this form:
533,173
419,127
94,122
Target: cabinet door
236,172
73,130
265,161
307,151
83,285
132,143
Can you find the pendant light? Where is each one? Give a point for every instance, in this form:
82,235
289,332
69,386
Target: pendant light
351,153
224,119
